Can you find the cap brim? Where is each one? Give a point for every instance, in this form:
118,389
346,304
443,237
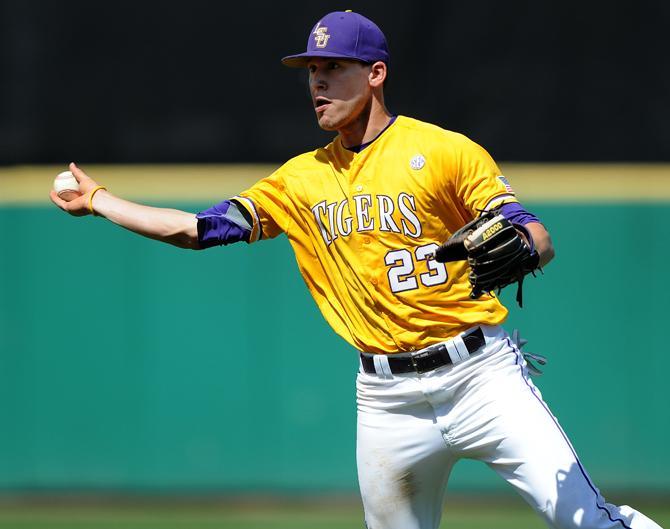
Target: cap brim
300,60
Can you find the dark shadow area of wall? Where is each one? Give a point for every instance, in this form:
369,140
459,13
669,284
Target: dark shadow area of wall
201,81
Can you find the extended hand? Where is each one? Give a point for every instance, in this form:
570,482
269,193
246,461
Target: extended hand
80,205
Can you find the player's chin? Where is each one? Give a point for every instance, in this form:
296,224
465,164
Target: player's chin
331,118
326,123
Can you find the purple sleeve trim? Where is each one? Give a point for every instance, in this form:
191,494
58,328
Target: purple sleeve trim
516,214
216,229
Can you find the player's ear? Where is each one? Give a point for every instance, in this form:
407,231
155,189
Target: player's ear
377,74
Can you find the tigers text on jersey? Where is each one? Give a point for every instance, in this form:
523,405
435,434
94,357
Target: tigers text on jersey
363,226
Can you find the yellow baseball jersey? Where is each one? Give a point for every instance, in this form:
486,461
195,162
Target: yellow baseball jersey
363,226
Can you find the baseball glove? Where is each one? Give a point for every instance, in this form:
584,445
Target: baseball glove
496,252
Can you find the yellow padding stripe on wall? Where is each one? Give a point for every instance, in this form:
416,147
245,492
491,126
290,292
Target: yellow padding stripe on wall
211,183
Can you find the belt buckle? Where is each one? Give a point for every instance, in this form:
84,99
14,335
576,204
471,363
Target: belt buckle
412,359
425,353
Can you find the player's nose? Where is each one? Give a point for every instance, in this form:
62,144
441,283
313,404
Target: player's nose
317,84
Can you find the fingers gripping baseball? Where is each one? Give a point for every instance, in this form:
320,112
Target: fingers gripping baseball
86,183
78,206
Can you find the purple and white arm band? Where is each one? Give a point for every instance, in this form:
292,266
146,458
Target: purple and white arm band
224,223
519,217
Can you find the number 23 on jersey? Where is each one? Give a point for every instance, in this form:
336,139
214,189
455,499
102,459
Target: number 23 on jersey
403,274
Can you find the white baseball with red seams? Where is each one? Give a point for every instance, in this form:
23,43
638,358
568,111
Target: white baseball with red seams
66,186
413,428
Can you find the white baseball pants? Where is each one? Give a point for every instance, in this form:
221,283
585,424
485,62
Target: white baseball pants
413,428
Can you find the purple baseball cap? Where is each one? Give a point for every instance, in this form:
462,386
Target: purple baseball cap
343,35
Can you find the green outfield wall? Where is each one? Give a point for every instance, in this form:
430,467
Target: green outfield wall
129,365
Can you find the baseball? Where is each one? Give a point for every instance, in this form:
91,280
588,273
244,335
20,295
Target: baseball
66,186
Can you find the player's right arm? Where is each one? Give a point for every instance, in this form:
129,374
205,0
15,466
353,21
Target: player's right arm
171,226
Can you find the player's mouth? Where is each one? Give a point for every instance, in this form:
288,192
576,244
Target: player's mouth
320,103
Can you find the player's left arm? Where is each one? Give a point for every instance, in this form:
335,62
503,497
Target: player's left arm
530,228
542,241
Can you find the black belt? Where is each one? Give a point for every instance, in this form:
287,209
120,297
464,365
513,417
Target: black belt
427,359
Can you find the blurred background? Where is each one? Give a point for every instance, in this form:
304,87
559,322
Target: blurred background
126,373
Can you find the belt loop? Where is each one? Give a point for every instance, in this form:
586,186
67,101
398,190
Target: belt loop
459,344
453,352
382,367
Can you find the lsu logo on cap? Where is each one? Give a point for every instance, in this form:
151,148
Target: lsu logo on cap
320,36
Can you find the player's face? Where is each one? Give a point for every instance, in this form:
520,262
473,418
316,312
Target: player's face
340,91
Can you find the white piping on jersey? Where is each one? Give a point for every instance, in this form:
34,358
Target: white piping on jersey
497,198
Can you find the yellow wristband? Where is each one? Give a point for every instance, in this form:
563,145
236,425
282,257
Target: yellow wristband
90,198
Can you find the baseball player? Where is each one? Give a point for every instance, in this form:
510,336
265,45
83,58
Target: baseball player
366,215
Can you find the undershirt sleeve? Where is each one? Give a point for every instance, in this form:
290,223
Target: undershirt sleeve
224,223
516,214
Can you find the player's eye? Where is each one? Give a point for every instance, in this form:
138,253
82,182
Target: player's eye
333,65
311,68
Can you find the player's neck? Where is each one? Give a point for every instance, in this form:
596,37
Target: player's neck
366,126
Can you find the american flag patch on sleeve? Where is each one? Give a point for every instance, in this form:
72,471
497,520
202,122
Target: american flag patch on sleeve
508,187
